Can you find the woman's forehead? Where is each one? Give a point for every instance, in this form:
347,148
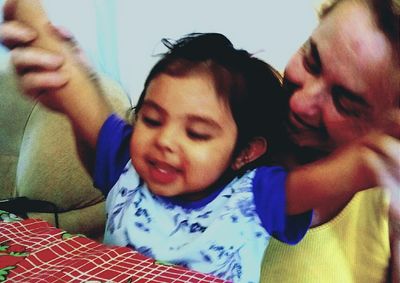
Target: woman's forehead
353,50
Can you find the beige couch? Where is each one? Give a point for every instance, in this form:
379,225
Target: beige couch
38,158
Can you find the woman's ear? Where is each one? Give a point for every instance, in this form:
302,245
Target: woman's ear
256,148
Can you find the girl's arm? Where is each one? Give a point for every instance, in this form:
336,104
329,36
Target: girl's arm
328,184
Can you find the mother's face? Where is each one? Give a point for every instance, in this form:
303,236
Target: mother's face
342,81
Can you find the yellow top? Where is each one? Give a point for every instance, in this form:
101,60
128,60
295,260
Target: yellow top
353,247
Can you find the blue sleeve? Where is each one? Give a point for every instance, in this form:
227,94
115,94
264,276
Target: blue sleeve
270,200
112,152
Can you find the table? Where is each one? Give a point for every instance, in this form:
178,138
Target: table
32,250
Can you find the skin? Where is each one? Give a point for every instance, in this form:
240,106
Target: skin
342,80
345,81
182,129
338,94
317,122
336,80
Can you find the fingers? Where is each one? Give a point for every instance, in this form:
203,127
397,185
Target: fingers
39,70
32,58
14,34
385,169
382,157
385,146
34,84
62,32
17,34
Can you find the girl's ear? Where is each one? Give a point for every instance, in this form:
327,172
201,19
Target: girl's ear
256,148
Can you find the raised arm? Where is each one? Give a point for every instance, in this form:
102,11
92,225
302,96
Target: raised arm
79,97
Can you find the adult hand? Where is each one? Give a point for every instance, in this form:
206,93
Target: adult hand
38,69
386,163
49,69
370,161
394,209
384,159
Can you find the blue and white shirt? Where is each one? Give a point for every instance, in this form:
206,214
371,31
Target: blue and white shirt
224,234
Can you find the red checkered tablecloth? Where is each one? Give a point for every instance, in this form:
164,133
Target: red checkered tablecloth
34,251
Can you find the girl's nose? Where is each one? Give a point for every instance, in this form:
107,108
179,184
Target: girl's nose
167,139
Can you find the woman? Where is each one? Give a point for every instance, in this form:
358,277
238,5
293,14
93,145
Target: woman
341,81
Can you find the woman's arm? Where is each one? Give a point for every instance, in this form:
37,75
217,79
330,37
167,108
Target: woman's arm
79,97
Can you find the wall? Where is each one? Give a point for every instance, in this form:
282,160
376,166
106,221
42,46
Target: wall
121,37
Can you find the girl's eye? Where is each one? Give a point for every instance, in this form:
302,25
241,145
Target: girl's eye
151,122
198,136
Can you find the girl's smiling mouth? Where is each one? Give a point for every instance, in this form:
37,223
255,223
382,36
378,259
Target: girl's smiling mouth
161,172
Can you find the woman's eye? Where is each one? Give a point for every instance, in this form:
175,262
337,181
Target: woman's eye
311,59
198,136
289,86
310,65
345,106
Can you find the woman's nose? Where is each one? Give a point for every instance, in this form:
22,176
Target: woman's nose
306,101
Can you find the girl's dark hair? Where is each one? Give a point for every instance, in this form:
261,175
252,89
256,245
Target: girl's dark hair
250,87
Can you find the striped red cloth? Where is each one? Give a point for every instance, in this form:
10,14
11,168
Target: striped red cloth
32,250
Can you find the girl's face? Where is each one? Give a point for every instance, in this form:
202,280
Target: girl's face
184,136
